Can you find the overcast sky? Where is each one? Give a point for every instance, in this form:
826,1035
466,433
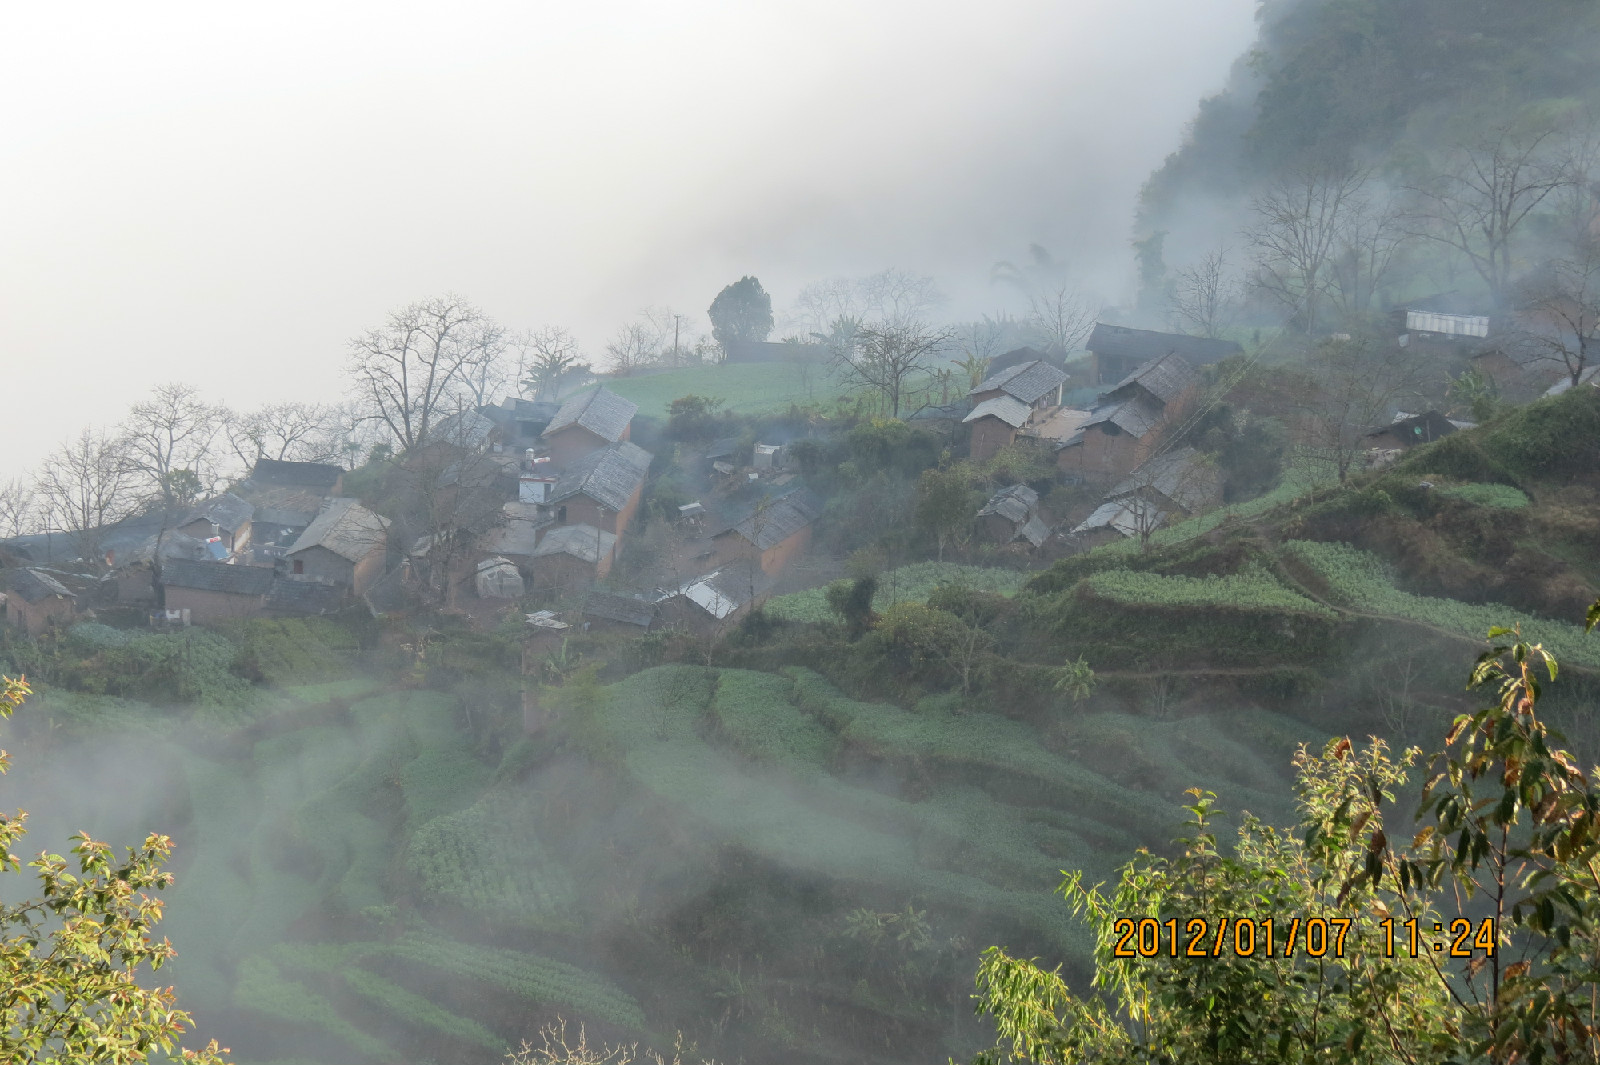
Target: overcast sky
224,193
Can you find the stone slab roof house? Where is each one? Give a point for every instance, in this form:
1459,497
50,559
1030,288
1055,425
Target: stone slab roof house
227,516
521,421
465,429
601,488
36,601
711,603
1013,513
345,544
132,574
1008,402
774,532
587,422
1180,483
214,591
608,609
317,477
1118,350
570,556
1121,430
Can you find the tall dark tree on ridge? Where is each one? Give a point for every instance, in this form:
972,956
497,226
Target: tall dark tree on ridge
742,311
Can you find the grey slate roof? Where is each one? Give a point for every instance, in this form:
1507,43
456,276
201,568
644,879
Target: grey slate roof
464,428
1034,530
304,597
608,476
1179,475
173,545
1126,516
1142,345
1136,416
316,475
1008,409
346,528
1015,503
776,521
1165,378
32,586
226,511
216,577
623,608
602,412
1028,381
583,542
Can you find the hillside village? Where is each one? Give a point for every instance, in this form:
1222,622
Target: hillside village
534,503
856,679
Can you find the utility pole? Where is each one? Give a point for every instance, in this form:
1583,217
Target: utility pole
677,320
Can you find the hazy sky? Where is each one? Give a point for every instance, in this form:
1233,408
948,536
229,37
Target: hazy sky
224,193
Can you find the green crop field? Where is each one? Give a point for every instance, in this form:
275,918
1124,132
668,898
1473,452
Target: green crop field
906,584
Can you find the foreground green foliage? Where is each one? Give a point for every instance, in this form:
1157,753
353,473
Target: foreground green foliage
80,1000
1500,881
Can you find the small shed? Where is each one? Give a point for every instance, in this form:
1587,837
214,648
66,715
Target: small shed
37,601
1013,513
1409,430
608,610
570,556
497,578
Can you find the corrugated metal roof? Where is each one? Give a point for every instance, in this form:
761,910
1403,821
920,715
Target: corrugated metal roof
1119,341
1126,516
216,577
602,412
346,528
608,476
1455,325
1008,409
723,591
1028,381
583,542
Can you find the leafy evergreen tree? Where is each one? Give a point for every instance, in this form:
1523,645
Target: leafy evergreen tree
742,311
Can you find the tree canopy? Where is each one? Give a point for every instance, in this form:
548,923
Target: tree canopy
742,311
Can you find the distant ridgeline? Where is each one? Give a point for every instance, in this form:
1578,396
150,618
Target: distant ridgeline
1378,79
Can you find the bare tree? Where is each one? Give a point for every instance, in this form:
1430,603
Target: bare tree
18,499
544,357
1561,305
87,484
288,432
1300,220
417,364
1482,195
890,358
1206,298
168,440
1061,315
1353,386
634,346
895,297
1370,241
